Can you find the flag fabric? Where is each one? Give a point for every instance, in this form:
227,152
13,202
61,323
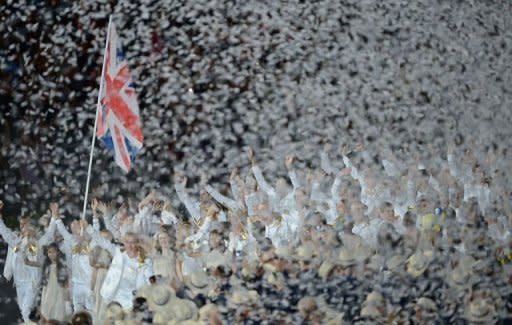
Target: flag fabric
118,124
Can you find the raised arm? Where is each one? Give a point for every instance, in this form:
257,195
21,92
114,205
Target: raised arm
141,219
291,172
354,172
262,183
49,234
325,163
224,200
168,217
109,219
235,187
258,175
7,234
100,241
94,208
63,231
316,192
451,161
68,238
192,207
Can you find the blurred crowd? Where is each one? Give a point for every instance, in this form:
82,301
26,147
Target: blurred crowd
425,243
215,76
401,229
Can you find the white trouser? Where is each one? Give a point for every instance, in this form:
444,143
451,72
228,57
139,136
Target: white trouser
82,296
26,294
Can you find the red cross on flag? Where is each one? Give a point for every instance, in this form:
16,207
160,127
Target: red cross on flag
118,124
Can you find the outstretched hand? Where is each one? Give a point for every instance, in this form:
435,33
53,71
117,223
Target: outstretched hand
54,209
94,205
250,155
288,162
233,173
103,208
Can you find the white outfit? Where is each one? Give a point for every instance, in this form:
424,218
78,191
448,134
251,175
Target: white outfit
26,278
201,236
368,231
236,243
145,222
190,264
124,276
370,200
169,218
222,199
53,305
193,207
81,270
278,233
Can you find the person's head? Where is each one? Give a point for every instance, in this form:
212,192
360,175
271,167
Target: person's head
183,231
387,237
75,227
478,172
258,230
24,221
266,246
424,206
52,252
356,210
215,239
28,231
387,212
348,224
300,197
107,235
341,207
122,213
409,220
81,318
140,304
329,235
163,240
113,313
471,211
44,221
130,242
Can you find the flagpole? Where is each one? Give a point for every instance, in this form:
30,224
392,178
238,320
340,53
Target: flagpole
96,118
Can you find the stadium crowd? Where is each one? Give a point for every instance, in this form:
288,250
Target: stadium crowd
424,243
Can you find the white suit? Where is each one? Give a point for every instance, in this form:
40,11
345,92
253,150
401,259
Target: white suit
124,276
26,278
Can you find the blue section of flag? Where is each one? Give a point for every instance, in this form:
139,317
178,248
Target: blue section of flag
132,151
107,141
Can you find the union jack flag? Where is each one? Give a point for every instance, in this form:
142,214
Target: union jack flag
118,124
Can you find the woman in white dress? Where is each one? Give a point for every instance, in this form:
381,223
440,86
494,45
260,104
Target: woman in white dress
54,283
164,259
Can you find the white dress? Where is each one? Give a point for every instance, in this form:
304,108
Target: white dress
165,265
52,298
